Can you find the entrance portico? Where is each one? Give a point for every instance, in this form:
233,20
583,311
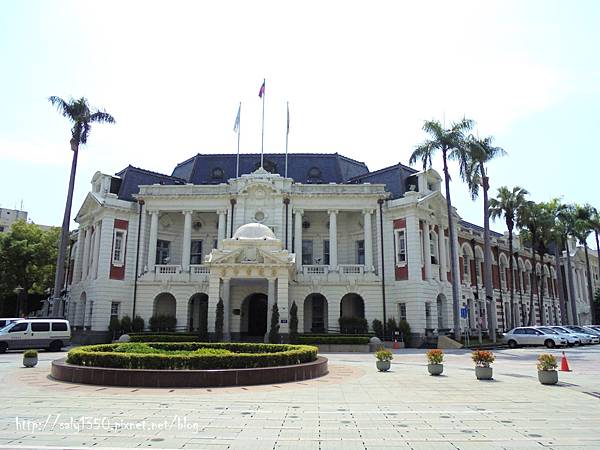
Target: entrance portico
250,266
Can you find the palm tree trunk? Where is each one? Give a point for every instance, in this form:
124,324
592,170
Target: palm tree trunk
541,291
512,278
453,265
490,303
598,251
571,283
64,232
531,282
589,282
559,282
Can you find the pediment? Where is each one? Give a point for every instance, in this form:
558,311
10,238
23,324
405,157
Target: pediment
90,203
249,255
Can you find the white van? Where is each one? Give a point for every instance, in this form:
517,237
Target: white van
51,334
4,321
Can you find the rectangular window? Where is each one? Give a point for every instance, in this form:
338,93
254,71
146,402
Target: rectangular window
360,252
59,326
402,311
118,257
433,248
502,277
307,252
114,309
422,244
400,247
326,252
90,313
466,263
40,326
196,252
162,251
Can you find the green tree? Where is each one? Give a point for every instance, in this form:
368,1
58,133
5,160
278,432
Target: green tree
293,323
82,117
558,236
274,329
507,204
27,258
566,218
451,142
595,223
582,230
478,154
219,321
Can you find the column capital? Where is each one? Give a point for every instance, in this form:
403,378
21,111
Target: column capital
298,211
368,211
153,211
187,212
222,212
332,211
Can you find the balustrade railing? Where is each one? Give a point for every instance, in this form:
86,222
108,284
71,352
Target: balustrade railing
167,269
352,269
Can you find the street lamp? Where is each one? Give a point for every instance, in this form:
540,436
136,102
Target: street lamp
18,291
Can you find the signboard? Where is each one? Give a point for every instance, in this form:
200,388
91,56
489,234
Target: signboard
283,321
464,313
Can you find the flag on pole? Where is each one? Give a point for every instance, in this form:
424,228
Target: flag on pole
262,89
236,126
288,118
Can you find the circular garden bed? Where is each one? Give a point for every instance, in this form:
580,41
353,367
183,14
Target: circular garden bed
189,364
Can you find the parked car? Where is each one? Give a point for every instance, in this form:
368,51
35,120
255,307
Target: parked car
585,339
51,334
7,321
522,336
571,338
591,330
581,330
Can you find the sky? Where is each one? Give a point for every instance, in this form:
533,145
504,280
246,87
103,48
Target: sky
360,79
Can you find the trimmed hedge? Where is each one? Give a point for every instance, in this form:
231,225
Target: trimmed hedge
244,356
344,340
167,337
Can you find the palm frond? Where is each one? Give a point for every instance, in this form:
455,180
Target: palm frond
62,106
102,117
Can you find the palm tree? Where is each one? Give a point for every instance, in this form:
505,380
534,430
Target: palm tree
451,142
480,152
506,205
583,228
79,113
559,234
595,223
566,217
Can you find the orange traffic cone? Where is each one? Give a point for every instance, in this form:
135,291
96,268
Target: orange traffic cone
564,363
396,345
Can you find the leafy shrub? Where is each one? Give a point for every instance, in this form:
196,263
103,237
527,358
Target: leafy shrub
166,337
391,328
134,347
126,325
186,356
294,323
219,321
405,333
137,324
340,339
30,354
435,356
274,329
163,323
353,325
377,328
384,355
114,326
546,362
483,358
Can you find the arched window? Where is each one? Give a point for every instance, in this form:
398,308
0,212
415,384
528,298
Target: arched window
314,175
433,247
217,173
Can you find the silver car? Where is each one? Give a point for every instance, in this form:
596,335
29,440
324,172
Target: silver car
594,339
522,336
572,339
584,338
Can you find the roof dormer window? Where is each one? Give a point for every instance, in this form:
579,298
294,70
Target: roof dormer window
217,173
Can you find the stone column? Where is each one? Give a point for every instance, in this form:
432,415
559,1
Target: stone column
368,240
427,250
222,227
298,238
187,241
226,309
152,240
86,253
283,304
442,253
333,260
270,302
413,248
214,290
142,266
97,233
79,255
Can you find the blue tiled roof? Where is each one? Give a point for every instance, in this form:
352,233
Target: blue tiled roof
394,177
134,177
326,168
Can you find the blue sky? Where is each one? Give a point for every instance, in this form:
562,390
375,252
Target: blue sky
360,77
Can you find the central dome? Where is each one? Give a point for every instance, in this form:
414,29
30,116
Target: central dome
254,231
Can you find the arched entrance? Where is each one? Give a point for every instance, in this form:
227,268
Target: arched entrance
198,314
254,308
315,314
164,305
441,312
82,302
352,305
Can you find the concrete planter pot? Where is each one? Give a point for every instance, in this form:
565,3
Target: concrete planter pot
435,369
30,362
483,373
383,366
548,376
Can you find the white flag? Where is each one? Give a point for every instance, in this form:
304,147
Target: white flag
236,126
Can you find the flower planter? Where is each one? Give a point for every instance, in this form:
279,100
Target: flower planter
548,376
30,362
435,369
383,366
483,373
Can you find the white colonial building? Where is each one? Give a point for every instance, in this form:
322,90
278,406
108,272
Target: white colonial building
333,237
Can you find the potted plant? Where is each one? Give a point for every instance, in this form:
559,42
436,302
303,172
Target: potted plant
30,358
383,359
435,359
483,359
546,365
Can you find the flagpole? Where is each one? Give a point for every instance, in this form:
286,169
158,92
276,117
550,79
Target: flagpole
262,143
237,165
287,132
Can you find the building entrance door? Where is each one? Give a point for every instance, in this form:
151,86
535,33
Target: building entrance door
257,314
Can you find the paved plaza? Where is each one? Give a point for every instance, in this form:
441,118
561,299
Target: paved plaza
354,407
